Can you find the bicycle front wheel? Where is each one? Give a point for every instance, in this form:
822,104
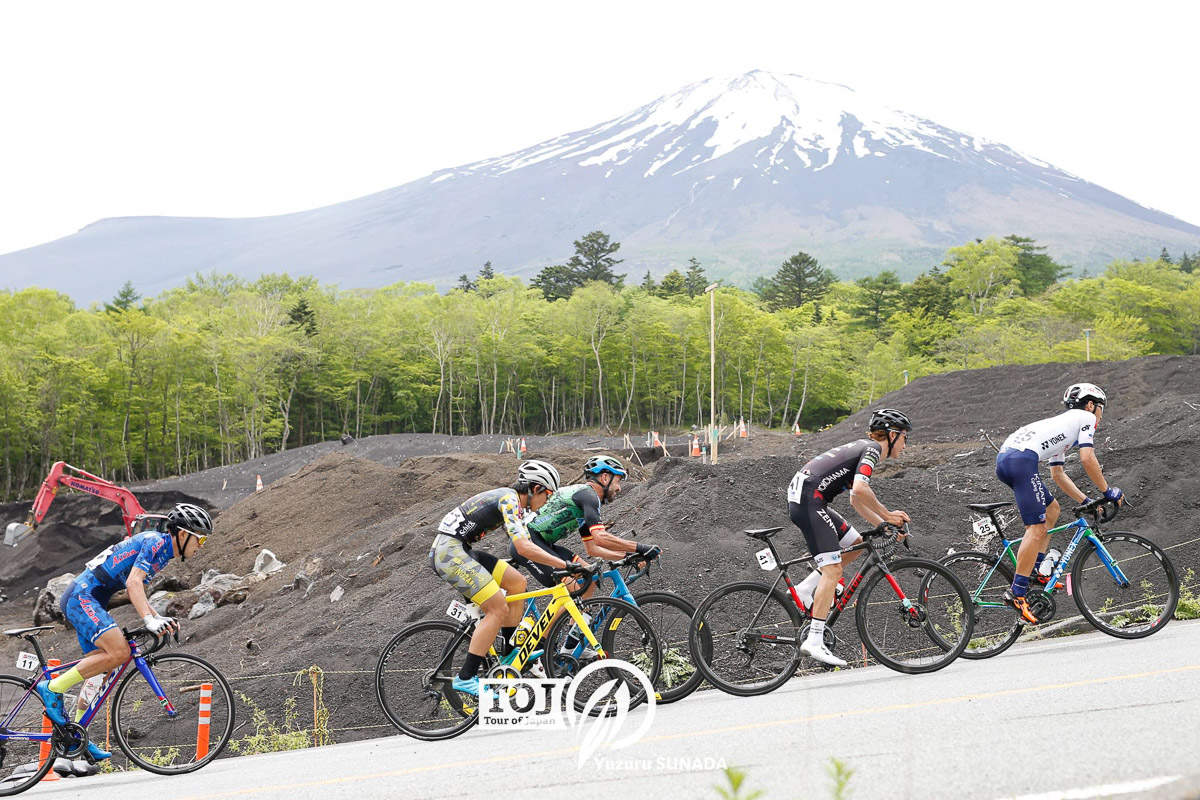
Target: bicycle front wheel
997,626
413,681
918,621
626,634
185,732
1129,590
23,762
671,616
754,638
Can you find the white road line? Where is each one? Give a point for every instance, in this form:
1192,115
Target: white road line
1108,790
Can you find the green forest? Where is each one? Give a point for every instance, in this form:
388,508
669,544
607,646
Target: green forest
222,370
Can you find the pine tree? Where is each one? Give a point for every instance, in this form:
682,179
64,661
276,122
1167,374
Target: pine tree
125,299
557,282
303,317
800,279
593,259
465,283
880,299
1165,257
1036,271
487,273
695,279
648,283
673,284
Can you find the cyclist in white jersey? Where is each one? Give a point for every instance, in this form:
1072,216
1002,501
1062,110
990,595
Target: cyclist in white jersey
1017,466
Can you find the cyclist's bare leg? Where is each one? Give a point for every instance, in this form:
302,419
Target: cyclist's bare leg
496,613
827,587
112,651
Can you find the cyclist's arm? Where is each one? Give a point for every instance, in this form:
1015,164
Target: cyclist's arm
864,501
602,544
597,541
510,511
1064,482
1091,465
136,589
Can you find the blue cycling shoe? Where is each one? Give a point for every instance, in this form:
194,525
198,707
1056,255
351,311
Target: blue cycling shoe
466,686
53,702
96,754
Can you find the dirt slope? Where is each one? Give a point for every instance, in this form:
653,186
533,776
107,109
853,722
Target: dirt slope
369,522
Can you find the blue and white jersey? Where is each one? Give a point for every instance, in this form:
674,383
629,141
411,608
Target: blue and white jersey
149,552
1052,437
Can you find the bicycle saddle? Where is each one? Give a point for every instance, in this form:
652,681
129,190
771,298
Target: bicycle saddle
35,631
762,533
986,507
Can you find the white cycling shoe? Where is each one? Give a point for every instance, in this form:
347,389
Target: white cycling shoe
816,650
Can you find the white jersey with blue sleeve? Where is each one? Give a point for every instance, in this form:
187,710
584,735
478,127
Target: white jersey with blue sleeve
1052,437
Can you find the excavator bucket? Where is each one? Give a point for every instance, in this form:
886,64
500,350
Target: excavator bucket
15,532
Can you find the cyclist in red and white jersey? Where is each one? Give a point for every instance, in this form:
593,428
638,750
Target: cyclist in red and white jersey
825,532
1017,466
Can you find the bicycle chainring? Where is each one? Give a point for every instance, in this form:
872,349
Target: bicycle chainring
829,638
504,672
1041,604
75,741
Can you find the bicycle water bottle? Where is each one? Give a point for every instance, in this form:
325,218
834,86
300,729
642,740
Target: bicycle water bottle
522,632
1049,562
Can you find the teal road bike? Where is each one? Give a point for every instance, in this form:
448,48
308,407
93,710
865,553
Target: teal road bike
1122,583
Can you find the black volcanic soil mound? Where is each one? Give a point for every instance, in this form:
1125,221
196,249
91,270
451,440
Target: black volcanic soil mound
360,528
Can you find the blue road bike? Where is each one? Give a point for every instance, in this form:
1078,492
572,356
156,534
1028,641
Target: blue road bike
1123,583
172,713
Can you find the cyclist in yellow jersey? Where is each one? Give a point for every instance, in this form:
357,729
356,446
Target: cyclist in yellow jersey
480,576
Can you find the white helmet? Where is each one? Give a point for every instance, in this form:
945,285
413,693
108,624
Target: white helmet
539,473
1078,394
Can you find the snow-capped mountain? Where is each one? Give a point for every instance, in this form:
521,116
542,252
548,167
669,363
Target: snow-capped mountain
739,173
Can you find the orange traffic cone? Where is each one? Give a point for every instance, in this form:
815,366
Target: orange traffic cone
695,445
657,443
522,447
258,486
48,727
742,430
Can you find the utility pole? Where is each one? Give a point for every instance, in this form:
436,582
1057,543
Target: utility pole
711,291
1087,339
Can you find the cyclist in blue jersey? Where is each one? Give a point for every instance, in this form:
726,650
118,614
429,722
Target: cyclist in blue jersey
1017,467
128,565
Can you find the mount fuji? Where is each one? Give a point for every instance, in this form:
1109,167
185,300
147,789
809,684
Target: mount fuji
739,173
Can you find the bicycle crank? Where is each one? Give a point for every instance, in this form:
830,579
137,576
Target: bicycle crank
75,742
829,637
1041,604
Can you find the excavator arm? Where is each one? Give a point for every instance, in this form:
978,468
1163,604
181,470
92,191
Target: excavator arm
63,474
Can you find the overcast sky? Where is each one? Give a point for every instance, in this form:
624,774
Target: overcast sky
253,108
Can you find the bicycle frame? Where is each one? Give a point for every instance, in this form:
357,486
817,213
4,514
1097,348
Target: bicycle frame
110,682
1082,530
873,559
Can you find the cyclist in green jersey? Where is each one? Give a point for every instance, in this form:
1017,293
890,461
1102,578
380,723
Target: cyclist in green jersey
577,508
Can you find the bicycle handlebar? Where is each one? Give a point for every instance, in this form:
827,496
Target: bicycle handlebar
1102,509
160,640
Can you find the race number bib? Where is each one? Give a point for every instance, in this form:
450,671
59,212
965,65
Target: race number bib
984,527
765,559
100,559
462,612
452,522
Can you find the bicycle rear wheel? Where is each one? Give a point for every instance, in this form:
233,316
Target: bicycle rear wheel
671,616
626,634
920,623
997,626
413,681
186,733
1142,602
22,762
754,636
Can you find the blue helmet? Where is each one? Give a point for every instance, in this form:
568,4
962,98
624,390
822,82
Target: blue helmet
598,464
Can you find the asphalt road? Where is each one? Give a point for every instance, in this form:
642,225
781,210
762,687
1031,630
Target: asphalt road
1072,718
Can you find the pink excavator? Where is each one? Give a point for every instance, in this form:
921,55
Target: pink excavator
63,474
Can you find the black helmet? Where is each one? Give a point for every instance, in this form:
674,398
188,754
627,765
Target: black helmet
1077,395
597,464
889,419
192,518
